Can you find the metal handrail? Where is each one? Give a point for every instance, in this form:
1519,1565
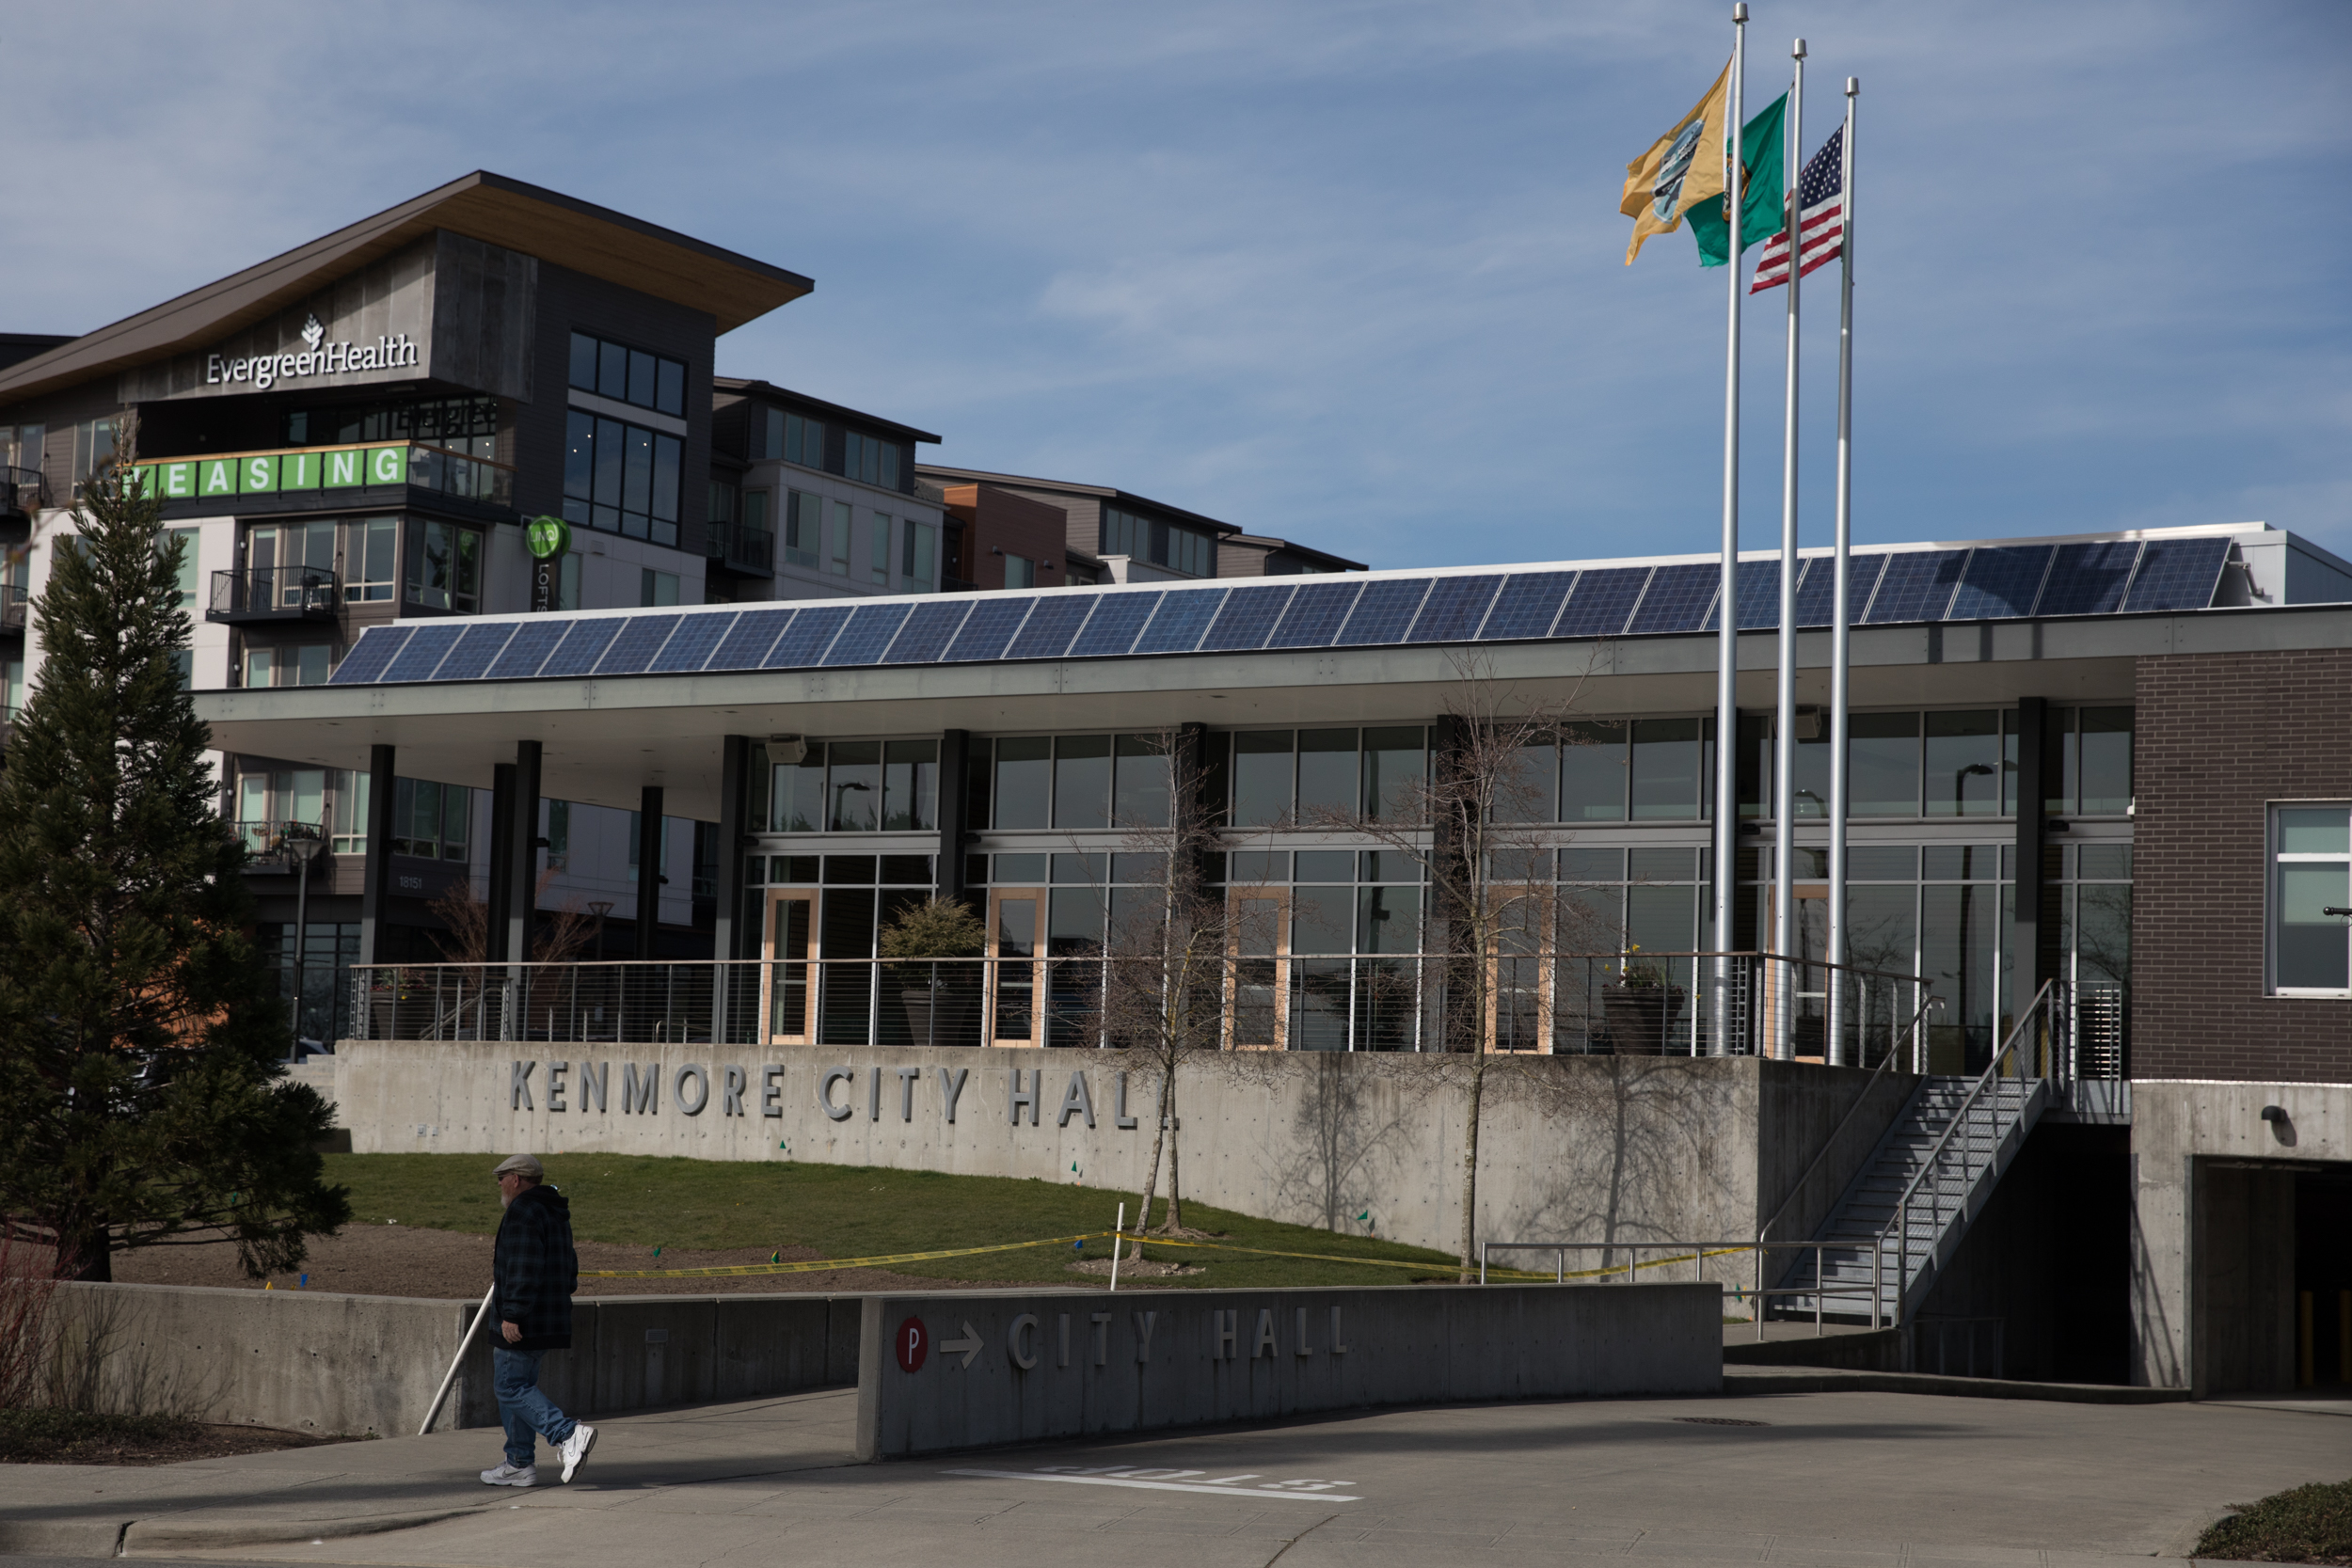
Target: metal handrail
1910,1032
2051,990
1700,1252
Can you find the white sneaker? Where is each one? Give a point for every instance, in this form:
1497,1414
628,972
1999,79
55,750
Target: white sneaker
511,1475
576,1446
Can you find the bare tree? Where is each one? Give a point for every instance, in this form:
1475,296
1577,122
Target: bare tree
1167,960
1470,824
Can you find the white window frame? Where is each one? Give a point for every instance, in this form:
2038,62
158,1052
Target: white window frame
2274,860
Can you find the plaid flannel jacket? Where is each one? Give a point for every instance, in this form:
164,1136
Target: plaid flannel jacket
536,1269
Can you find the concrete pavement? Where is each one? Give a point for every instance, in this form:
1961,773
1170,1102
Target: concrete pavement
1834,1480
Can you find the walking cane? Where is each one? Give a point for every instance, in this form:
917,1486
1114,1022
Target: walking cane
481,1314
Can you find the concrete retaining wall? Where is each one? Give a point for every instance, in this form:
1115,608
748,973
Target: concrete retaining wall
312,1361
1009,1367
1573,1148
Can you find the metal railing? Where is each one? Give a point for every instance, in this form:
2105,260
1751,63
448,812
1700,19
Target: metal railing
740,548
1561,1006
2101,1032
23,490
270,846
12,607
274,594
1696,1253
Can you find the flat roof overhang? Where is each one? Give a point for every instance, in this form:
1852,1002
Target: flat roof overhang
606,739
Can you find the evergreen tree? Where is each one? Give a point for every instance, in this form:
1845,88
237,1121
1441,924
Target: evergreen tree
140,1032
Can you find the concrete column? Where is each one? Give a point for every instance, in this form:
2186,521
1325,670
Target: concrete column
955,754
649,878
524,844
728,939
2027,970
501,878
377,879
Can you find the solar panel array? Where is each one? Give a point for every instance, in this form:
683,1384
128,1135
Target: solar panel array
1987,583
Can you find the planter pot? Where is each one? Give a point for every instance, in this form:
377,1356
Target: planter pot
955,1021
1640,1017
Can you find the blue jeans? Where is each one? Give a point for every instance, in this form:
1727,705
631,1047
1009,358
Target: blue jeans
524,1410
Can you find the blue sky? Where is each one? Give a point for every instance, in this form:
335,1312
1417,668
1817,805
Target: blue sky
1348,273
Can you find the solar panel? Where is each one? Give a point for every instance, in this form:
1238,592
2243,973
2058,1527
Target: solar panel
691,644
747,645
2177,574
1314,616
1247,620
1047,632
640,639
1384,613
871,627
2089,580
577,652
2001,583
1529,603
991,626
527,649
1183,617
1677,599
927,631
1916,586
1111,629
370,656
474,652
1453,610
804,640
1759,595
425,651
1601,602
1817,590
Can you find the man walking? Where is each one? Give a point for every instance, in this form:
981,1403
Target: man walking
537,1272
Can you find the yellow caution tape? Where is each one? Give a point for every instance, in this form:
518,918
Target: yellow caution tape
820,1266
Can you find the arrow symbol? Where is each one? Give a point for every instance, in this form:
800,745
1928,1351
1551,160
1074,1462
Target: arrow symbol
969,1345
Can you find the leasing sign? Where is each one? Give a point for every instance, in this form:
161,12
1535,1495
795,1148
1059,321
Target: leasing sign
265,473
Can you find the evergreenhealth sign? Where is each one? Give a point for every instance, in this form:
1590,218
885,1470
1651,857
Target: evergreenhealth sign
267,473
394,351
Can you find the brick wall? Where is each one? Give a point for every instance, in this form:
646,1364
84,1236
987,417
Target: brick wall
2218,737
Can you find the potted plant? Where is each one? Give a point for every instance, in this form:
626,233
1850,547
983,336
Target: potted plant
1641,1006
942,1000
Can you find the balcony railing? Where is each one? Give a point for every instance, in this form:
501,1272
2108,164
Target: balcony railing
1664,1005
261,594
275,848
326,470
750,551
23,491
957,585
12,604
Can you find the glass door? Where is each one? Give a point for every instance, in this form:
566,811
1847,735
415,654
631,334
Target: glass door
1013,1000
791,943
1256,985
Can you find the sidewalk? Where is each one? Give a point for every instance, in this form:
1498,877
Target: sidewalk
1805,1480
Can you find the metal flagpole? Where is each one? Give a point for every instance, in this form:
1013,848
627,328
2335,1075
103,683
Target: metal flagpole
1785,717
1727,615
1841,618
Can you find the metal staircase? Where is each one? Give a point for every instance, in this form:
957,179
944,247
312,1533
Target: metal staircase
1897,1225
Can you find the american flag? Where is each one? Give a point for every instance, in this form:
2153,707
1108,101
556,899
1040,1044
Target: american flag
1821,208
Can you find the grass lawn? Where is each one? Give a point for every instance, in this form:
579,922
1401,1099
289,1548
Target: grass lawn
2309,1524
851,1211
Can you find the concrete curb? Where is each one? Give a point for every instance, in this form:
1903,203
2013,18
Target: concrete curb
171,1533
1820,1380
61,1537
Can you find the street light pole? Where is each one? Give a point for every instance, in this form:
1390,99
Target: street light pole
302,851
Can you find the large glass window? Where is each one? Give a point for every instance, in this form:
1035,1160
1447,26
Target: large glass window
1964,763
918,559
431,820
839,538
1082,781
347,799
2311,949
1173,545
1396,760
1262,778
870,459
1883,757
445,567
621,478
1665,770
631,376
1022,785
1140,787
93,449
878,552
803,526
371,548
793,438
910,785
853,787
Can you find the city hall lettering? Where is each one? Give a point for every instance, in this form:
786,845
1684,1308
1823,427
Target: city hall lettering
568,1087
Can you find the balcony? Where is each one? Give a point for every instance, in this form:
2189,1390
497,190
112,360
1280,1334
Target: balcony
12,607
747,551
256,596
278,849
23,492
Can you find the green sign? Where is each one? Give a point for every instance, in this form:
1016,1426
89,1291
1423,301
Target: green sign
547,537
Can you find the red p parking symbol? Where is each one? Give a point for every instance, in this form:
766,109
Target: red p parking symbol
913,1343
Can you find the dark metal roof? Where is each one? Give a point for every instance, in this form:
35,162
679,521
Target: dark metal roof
757,388
938,475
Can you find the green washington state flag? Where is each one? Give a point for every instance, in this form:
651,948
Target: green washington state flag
1760,190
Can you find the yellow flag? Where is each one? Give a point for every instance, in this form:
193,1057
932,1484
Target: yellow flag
1682,169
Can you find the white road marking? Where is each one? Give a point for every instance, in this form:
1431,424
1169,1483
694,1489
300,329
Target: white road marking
1294,1491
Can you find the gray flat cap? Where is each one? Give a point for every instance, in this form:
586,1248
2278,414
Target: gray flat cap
521,1165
